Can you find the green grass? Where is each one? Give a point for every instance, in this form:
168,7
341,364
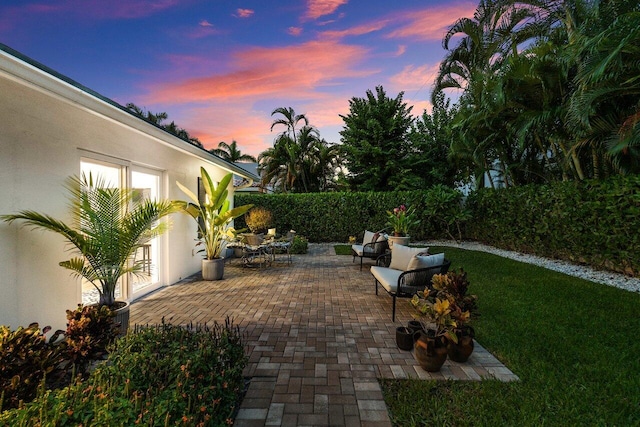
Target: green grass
573,343
342,249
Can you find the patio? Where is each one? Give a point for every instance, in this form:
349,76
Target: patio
317,336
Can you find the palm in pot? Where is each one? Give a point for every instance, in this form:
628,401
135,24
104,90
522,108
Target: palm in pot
215,228
109,226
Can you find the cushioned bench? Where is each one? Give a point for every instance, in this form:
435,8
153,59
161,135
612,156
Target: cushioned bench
406,271
373,245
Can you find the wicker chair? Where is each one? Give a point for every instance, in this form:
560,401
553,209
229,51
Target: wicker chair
404,284
369,248
253,251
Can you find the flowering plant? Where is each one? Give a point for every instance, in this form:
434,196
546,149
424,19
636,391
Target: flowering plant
435,315
402,220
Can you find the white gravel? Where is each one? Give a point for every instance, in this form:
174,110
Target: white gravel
598,276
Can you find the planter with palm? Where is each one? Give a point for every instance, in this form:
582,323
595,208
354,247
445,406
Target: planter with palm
215,228
109,226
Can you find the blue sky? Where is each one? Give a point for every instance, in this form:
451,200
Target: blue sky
219,67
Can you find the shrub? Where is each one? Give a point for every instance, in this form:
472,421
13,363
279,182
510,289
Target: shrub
258,219
300,245
26,358
163,375
89,331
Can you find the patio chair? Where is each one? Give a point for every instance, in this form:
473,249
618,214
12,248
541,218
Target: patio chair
373,245
254,251
410,272
283,246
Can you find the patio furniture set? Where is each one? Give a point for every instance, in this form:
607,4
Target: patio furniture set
259,250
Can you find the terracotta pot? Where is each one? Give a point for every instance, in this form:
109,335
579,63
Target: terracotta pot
404,338
430,352
212,269
460,351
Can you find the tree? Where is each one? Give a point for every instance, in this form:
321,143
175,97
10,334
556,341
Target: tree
375,142
158,120
299,161
231,153
431,136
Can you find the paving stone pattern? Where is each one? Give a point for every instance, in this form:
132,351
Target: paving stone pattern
317,336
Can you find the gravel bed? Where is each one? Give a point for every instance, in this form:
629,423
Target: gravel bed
585,272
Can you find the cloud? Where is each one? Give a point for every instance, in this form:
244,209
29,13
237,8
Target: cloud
244,13
319,8
431,23
294,31
401,50
295,71
205,23
414,78
355,31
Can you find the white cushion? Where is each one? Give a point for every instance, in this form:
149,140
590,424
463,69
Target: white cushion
368,237
358,249
401,256
387,277
425,261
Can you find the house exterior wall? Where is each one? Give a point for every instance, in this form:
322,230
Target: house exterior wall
48,126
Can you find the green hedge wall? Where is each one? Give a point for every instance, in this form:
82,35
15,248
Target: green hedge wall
593,222
333,217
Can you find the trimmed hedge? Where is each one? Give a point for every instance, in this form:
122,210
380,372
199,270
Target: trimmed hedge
333,217
592,222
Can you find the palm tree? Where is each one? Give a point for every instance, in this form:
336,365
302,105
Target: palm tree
109,226
231,153
290,120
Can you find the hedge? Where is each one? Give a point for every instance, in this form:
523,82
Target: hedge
333,217
592,222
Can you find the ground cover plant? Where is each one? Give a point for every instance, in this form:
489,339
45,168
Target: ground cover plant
572,343
162,375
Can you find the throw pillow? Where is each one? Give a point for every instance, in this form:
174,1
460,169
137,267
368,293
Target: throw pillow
401,256
368,235
419,261
374,239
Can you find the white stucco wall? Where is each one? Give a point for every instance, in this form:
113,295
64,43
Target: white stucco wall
47,127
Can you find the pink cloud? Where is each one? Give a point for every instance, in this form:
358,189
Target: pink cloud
431,23
355,31
318,8
294,71
294,31
414,77
244,13
401,50
205,23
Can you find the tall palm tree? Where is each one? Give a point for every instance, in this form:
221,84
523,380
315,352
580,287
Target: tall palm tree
290,120
109,226
232,153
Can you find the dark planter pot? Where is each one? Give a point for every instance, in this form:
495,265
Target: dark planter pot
461,351
414,325
430,353
122,316
404,338
212,269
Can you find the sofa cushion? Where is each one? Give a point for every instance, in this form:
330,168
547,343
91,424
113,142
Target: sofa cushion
419,261
368,237
387,277
401,256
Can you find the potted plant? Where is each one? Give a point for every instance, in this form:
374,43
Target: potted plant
454,286
259,219
109,226
401,220
215,228
434,313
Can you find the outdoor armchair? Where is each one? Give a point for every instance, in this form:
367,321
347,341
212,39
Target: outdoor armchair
402,279
373,245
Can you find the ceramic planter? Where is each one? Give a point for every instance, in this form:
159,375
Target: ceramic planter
212,269
430,353
404,338
401,240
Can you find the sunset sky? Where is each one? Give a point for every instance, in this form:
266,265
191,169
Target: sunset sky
220,67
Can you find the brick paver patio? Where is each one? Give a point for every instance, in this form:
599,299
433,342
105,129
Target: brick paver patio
318,338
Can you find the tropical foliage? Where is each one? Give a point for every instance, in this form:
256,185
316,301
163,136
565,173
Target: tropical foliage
109,226
232,153
299,161
213,214
549,90
158,119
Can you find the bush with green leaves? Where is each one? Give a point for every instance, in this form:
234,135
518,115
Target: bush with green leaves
162,375
299,245
26,358
258,219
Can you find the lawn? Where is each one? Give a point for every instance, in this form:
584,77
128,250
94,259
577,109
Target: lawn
573,343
